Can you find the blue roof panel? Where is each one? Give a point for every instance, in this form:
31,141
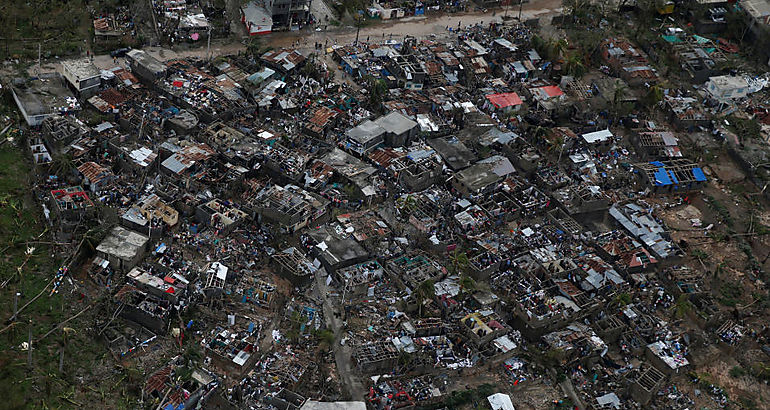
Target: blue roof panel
698,174
661,177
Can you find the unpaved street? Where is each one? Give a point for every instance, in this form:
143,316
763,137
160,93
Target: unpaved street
420,27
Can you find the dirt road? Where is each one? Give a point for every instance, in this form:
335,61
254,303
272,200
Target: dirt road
420,27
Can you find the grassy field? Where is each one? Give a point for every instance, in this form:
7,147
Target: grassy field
58,26
90,374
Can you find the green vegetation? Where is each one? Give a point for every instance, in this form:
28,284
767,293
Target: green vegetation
724,214
461,398
623,299
425,291
27,267
683,306
699,254
745,128
730,292
737,372
58,26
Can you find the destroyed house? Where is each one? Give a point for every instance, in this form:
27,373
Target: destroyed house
282,163
165,287
643,226
541,304
625,251
291,207
483,326
657,144
96,177
234,349
334,248
686,113
525,156
409,71
414,268
62,130
501,206
71,203
199,92
578,341
672,176
668,356
294,265
628,61
108,101
150,214
416,169
422,210
351,170
364,225
283,60
136,157
320,121
222,216
187,161
597,275
255,290
374,357
40,153
147,310
531,200
216,279
699,56
360,279
581,199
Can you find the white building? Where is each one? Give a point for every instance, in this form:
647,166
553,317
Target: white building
82,76
725,88
256,19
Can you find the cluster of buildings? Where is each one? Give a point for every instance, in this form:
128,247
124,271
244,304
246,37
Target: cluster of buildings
339,248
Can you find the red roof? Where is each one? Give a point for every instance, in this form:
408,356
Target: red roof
553,91
504,100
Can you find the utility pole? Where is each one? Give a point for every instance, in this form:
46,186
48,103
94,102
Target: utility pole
358,25
39,54
208,46
521,5
29,346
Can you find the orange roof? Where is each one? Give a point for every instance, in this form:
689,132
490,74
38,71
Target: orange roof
553,91
504,100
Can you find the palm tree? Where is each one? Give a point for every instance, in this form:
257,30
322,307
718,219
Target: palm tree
557,48
574,65
467,284
377,90
63,345
683,306
575,9
654,95
618,99
425,291
460,261
63,164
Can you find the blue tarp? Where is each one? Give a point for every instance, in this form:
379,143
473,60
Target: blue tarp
661,177
699,175
673,177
